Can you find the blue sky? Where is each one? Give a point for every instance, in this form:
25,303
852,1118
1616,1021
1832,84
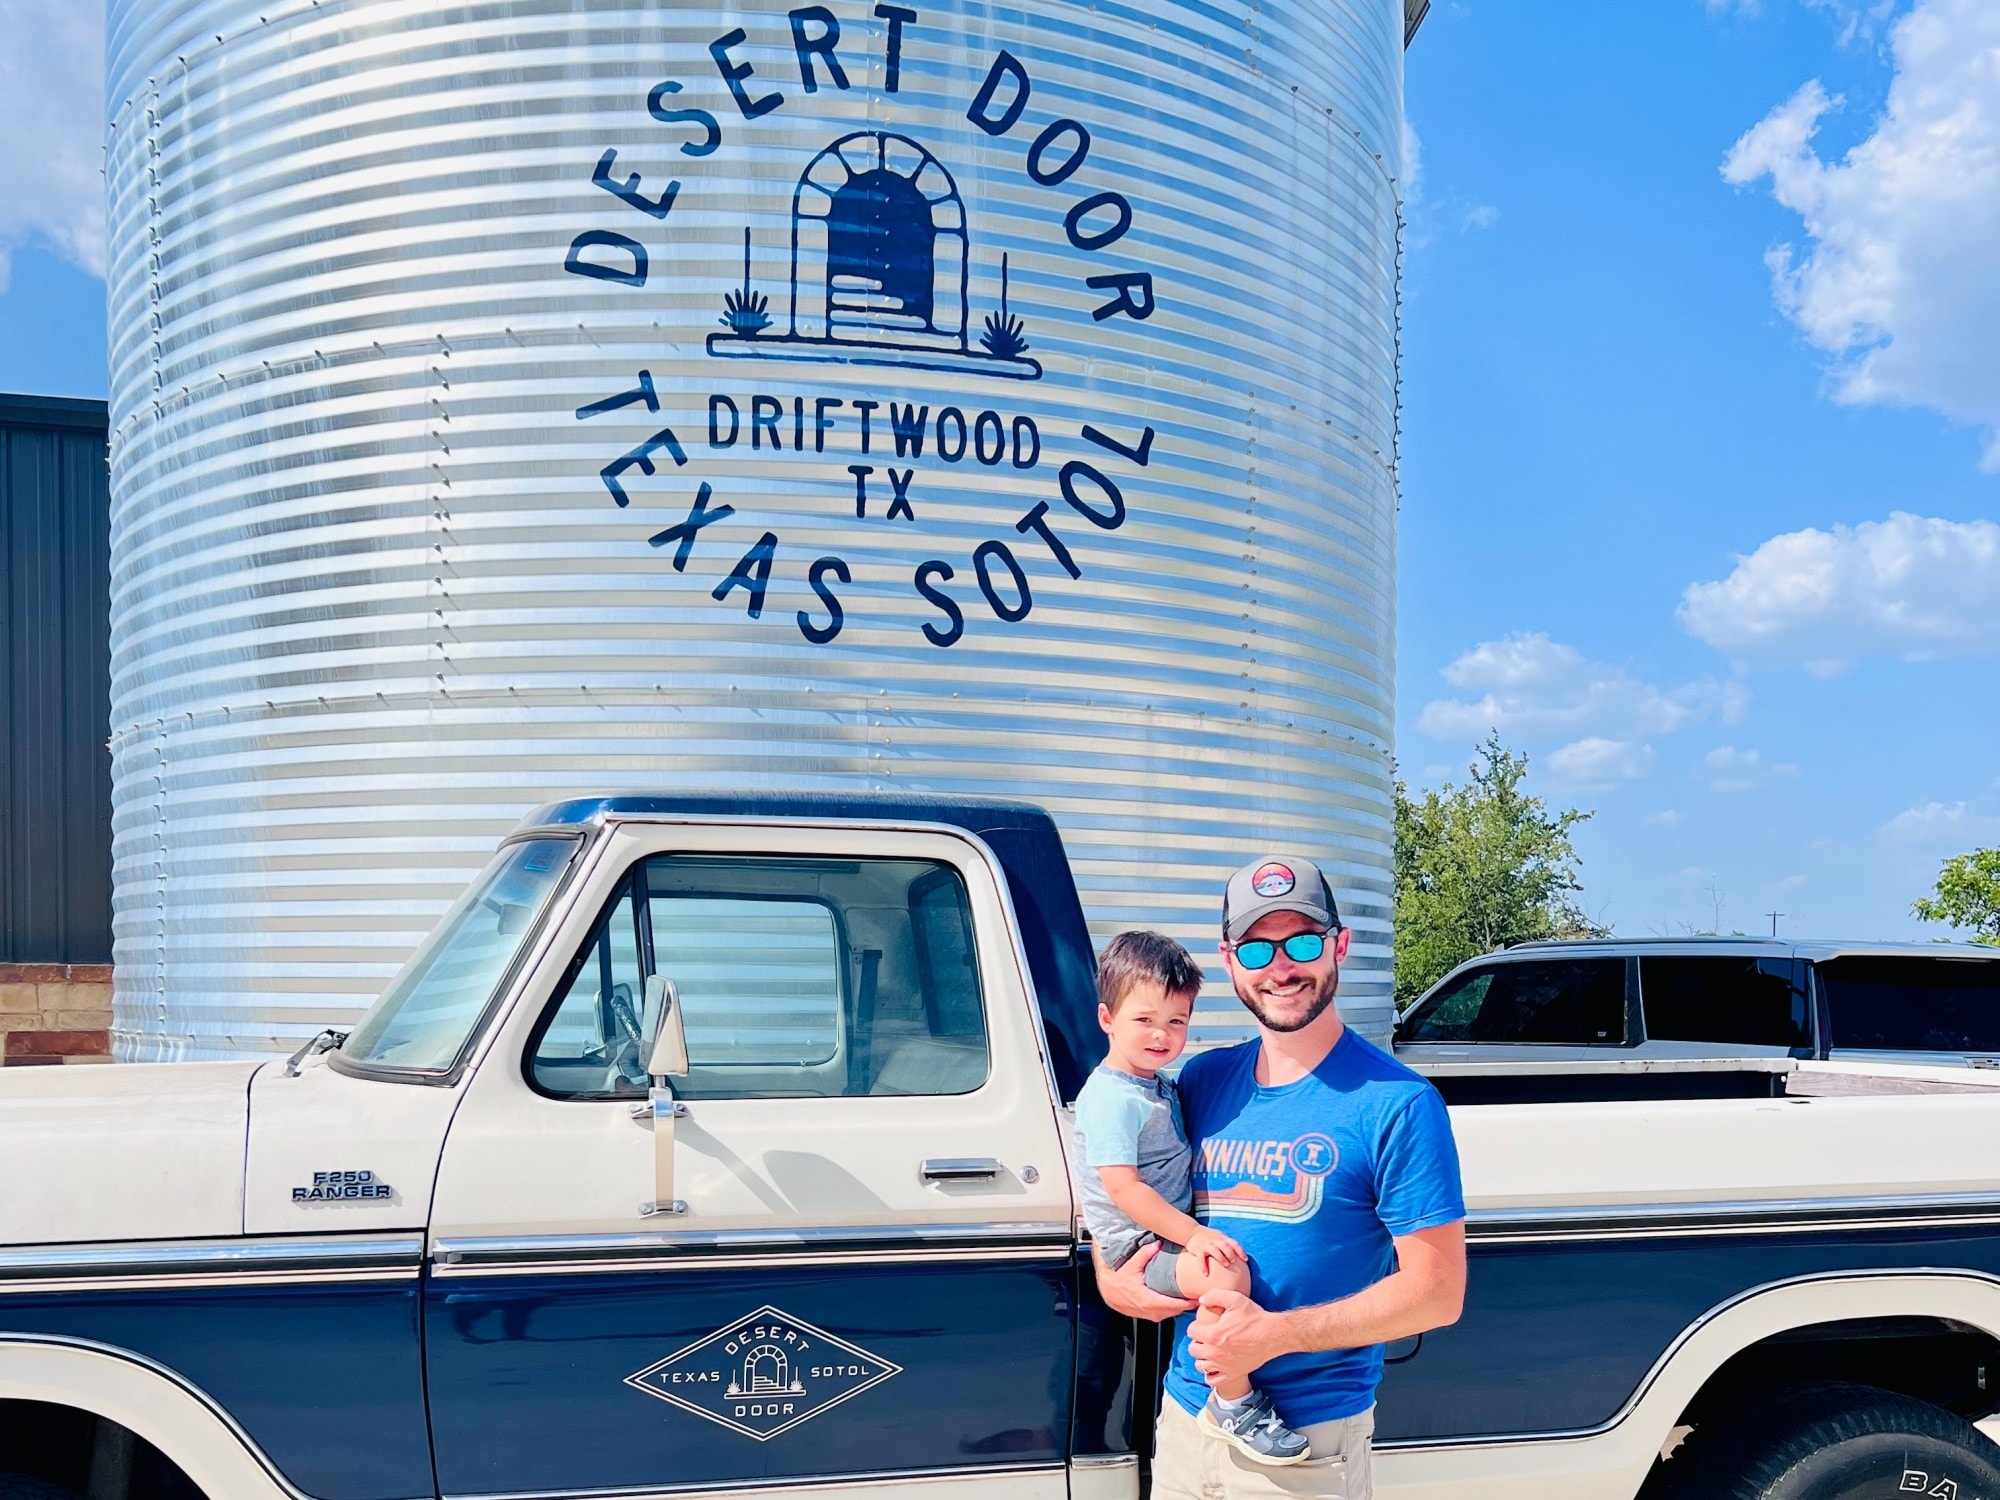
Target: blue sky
1609,398
1700,474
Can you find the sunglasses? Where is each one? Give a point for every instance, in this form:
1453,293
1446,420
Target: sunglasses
1300,948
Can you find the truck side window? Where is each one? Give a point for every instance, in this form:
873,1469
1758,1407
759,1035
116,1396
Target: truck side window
1574,1002
1913,1004
1755,1002
594,1042
799,978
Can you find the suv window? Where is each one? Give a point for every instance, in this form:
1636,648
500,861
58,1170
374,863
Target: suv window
798,977
1740,1001
1913,1004
1573,1001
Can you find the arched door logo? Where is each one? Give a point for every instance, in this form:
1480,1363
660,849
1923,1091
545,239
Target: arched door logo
763,1374
881,260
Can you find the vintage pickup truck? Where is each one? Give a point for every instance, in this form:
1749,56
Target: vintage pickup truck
717,1146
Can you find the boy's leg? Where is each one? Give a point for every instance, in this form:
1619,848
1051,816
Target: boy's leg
1197,1277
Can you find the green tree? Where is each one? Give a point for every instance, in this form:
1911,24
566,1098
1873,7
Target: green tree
1479,866
1967,895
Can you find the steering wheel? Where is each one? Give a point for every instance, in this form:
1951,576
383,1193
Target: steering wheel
626,1050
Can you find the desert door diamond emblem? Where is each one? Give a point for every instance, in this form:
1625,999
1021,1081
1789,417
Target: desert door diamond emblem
763,1374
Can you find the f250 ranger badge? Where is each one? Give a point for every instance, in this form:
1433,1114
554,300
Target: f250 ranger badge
763,1374
343,1187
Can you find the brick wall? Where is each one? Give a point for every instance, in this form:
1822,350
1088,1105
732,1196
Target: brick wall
54,1013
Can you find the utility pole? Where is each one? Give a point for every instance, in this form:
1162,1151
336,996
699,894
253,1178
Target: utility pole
1774,915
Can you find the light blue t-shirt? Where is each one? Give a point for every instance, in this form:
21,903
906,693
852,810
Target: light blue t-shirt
1123,1120
1314,1179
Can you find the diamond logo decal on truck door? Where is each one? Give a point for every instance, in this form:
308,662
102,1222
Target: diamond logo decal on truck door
763,1374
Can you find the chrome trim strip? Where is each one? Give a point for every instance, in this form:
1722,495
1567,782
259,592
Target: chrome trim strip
1105,1461
1631,1403
804,1484
748,1248
261,1261
1516,1226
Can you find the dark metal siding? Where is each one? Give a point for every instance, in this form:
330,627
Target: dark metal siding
55,682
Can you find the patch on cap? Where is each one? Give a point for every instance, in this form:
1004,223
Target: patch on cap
1273,880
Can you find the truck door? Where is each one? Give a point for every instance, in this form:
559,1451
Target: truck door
870,1279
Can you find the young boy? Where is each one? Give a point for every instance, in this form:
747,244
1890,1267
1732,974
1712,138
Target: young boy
1136,1169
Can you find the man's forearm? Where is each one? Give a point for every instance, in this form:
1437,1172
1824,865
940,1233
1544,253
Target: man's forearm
1395,1307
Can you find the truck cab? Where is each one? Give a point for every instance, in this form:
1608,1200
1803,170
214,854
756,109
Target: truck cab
863,1262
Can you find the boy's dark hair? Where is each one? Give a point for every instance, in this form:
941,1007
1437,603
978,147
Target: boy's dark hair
1135,957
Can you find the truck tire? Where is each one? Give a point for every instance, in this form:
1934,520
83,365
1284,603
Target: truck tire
1833,1442
29,1487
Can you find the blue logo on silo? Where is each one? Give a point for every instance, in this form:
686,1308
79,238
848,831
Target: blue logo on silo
880,271
877,266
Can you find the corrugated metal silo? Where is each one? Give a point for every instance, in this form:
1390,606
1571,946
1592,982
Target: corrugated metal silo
569,394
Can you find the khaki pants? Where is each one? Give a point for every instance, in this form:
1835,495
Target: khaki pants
1189,1464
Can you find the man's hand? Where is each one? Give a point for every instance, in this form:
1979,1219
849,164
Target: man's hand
1124,1290
1234,1336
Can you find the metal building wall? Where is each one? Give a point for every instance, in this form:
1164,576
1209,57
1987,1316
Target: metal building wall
395,550
55,682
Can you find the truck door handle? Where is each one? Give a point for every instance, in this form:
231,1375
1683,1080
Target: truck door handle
960,1169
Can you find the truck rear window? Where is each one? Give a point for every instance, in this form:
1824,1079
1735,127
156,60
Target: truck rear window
1913,1004
1574,1001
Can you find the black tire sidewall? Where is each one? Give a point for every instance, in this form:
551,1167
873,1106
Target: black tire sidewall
1833,1441
1874,1466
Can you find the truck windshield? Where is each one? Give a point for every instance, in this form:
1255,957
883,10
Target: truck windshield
424,1019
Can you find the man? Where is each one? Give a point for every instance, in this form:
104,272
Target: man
1333,1165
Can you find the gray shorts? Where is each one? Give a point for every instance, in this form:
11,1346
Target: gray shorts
1163,1270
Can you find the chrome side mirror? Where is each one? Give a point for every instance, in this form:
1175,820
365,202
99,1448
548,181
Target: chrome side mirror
666,1059
666,1044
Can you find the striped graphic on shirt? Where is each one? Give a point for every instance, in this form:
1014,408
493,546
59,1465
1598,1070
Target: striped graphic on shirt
1279,1181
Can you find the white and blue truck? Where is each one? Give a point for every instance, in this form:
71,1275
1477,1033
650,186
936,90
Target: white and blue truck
717,1146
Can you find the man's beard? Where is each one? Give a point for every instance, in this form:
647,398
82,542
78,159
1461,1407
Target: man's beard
1313,1011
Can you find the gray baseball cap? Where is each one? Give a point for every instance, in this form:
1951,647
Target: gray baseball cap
1276,882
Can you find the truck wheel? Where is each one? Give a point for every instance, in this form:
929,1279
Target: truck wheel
29,1487
1833,1442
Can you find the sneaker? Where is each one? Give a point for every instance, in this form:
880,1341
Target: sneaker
1255,1427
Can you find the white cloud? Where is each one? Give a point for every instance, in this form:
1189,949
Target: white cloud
1897,282
1530,687
1910,586
1599,762
1859,20
1728,769
1939,822
1480,216
51,178
1666,817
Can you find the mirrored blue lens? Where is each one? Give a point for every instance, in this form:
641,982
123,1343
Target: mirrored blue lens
1300,948
1305,947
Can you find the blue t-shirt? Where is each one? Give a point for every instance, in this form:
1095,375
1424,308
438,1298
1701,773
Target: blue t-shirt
1314,1179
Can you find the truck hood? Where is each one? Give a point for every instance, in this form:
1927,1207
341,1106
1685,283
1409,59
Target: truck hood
141,1151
